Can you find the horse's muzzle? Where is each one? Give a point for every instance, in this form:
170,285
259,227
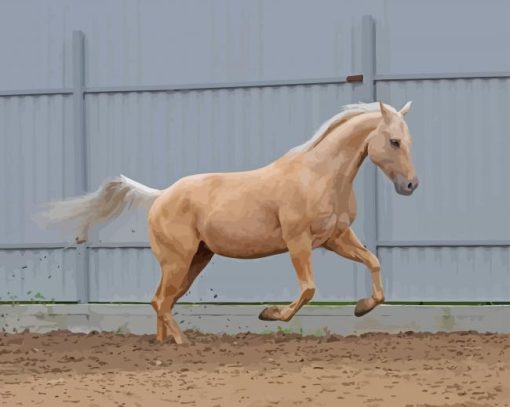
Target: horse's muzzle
405,186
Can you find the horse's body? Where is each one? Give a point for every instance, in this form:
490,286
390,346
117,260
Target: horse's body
239,214
299,202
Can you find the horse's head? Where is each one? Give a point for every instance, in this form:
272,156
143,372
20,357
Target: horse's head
389,148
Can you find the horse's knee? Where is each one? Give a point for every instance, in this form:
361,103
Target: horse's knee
308,293
373,264
155,304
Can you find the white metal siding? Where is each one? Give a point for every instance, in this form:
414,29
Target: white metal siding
37,275
446,273
36,146
134,42
461,130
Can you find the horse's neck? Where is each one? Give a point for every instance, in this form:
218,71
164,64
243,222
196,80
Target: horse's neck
342,152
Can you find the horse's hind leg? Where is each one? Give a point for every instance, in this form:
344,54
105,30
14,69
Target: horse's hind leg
161,331
176,279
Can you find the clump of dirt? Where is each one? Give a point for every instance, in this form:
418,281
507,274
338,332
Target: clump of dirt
374,369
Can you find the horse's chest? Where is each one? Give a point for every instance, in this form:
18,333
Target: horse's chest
326,227
336,216
322,228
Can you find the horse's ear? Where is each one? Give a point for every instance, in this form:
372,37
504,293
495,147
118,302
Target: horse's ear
406,108
385,112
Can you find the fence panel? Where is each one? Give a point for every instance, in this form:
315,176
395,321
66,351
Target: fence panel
158,137
36,167
461,147
37,275
460,129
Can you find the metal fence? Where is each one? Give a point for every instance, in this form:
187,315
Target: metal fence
450,242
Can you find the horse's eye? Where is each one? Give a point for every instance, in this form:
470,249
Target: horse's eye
395,143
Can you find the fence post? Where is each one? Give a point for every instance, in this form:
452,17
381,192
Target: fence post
80,157
365,92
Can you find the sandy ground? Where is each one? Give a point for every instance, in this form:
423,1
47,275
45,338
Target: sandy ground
407,369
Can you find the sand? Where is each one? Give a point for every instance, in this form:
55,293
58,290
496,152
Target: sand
105,369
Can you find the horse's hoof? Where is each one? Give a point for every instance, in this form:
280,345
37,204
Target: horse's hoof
181,340
270,314
364,306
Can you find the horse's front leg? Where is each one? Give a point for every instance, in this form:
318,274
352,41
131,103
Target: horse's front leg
300,250
348,246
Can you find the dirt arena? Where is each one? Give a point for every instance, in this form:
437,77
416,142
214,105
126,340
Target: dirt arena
407,369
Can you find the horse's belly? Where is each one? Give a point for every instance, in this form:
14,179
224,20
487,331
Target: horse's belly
246,250
243,238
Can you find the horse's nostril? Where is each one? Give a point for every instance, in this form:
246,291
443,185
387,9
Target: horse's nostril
410,185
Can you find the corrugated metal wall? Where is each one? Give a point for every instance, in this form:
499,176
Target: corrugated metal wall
460,128
461,133
136,42
446,273
38,275
36,152
461,147
158,137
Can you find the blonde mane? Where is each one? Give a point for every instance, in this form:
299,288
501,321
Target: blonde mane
346,112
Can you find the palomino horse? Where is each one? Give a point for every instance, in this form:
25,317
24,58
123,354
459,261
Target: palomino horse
299,202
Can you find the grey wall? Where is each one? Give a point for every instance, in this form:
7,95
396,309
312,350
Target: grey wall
461,132
135,42
449,241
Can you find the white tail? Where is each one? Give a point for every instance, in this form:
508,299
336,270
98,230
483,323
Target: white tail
104,204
